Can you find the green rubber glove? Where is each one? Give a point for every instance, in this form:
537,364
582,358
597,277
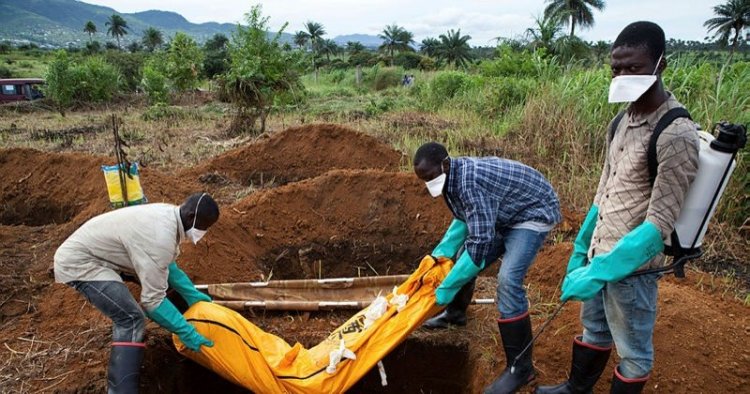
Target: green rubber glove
452,241
179,281
579,258
462,272
636,248
167,316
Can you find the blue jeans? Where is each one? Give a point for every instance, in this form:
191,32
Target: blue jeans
115,301
518,249
624,312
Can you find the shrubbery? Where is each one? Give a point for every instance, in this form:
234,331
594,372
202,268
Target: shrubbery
5,71
94,80
445,85
155,83
184,62
408,60
130,66
387,77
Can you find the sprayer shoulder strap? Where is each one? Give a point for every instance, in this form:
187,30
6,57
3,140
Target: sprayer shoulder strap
666,120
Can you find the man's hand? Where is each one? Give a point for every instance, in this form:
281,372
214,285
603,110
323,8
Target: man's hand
579,285
194,341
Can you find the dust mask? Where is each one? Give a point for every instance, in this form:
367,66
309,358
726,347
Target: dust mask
629,88
435,186
193,233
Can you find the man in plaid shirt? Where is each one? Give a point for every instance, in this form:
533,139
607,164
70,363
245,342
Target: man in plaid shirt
501,208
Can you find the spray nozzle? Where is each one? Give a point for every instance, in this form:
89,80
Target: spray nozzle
731,138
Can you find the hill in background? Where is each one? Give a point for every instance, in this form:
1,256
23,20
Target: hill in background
59,23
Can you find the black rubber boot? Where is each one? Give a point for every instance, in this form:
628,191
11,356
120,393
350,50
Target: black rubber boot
455,312
587,366
623,385
125,367
516,334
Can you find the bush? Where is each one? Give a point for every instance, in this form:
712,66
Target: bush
407,60
510,63
130,66
338,64
184,62
60,81
336,76
493,96
155,84
93,47
446,85
5,47
363,58
216,60
5,72
427,64
387,78
96,81
262,74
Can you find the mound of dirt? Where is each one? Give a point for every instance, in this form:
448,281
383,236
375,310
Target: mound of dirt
343,223
60,191
299,153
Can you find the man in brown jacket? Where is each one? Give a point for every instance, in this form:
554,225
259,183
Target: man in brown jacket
631,216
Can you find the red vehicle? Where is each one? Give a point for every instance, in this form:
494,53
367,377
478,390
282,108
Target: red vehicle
20,89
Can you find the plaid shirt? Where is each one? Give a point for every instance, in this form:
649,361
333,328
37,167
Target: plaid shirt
492,194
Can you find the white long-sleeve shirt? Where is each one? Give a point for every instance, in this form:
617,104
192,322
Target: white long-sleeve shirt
141,240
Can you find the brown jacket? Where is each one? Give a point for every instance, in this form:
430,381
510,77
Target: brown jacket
625,196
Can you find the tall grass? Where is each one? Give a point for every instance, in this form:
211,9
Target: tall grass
551,116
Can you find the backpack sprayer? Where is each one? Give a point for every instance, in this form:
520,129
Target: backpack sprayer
717,161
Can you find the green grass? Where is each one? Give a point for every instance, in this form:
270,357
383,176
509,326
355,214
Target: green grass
554,120
23,65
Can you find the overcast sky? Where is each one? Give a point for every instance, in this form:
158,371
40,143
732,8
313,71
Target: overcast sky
482,19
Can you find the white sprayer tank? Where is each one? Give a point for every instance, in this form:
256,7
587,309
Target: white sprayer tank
716,164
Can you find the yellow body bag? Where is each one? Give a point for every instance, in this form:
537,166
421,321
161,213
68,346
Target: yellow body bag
264,363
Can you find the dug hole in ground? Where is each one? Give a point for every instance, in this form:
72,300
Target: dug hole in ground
327,202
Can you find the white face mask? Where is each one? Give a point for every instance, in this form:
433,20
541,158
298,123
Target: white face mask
629,88
435,186
193,233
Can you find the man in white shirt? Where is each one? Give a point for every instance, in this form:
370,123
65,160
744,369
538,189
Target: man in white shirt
141,241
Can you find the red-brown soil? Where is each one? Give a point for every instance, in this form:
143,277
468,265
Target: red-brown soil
299,153
360,219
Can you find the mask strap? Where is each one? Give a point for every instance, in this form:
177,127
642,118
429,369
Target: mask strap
657,63
195,217
442,171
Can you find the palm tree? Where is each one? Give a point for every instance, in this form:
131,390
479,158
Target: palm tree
118,27
315,31
301,38
329,47
354,47
734,15
395,38
90,28
573,12
430,46
152,38
454,48
545,33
